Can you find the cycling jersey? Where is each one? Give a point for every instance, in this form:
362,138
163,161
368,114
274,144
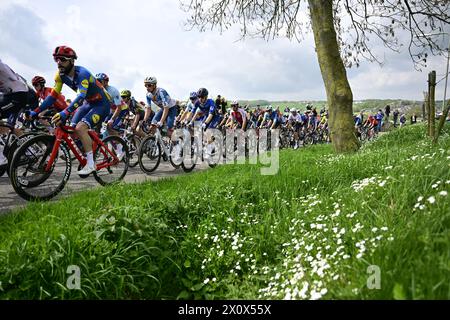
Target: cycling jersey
294,118
239,115
116,99
190,106
161,98
11,81
206,108
97,101
89,88
60,103
136,108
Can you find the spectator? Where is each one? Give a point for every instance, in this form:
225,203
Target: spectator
396,113
402,120
218,101
413,118
379,116
387,112
223,105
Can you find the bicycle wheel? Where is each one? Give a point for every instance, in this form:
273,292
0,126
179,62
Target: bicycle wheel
176,154
133,143
109,171
212,154
16,144
190,160
308,140
27,172
149,155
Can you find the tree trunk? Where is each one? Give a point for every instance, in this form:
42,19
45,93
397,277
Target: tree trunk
339,93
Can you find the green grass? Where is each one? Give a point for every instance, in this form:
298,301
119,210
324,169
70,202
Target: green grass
311,231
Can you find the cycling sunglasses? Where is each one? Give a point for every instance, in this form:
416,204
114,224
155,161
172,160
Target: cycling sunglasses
62,59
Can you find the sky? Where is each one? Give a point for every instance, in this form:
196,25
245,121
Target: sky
130,40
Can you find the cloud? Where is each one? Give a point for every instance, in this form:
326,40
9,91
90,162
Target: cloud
132,40
22,36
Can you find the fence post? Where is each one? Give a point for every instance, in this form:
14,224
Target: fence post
431,96
427,106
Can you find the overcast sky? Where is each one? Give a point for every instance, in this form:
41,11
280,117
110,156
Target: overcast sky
132,39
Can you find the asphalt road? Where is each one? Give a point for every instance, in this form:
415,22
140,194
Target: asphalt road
10,200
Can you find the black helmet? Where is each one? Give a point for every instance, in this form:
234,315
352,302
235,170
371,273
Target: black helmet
202,92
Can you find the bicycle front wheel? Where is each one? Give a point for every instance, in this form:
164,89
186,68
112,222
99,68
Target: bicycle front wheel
28,174
109,170
190,155
149,155
133,147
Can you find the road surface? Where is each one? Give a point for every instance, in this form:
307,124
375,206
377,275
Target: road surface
10,200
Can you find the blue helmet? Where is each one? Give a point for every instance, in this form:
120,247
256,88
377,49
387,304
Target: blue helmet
193,95
102,76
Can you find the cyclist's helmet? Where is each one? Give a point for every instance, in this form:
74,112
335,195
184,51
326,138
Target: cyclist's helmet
202,93
63,51
235,103
102,77
38,80
193,95
293,110
150,80
125,93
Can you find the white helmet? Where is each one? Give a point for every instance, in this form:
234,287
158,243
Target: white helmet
235,103
293,110
150,80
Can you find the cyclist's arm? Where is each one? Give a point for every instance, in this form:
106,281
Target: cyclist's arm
212,110
53,96
137,117
115,114
209,118
165,98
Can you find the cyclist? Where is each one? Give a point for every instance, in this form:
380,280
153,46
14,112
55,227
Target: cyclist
16,94
43,92
96,106
265,120
118,108
136,109
167,105
294,122
238,115
205,111
193,98
275,117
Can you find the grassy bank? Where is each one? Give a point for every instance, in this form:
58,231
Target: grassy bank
323,227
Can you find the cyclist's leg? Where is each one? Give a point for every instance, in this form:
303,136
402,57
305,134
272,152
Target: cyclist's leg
170,120
89,118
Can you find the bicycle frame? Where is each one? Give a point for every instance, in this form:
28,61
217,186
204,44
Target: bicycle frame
159,139
63,133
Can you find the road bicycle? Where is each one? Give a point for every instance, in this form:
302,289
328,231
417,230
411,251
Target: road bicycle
10,142
41,166
153,148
